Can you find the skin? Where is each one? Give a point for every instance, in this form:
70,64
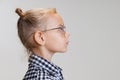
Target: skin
51,41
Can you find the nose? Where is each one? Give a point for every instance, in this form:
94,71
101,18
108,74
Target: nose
67,35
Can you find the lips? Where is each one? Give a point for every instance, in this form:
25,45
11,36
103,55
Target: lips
67,42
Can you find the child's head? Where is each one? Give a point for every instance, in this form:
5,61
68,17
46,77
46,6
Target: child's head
42,29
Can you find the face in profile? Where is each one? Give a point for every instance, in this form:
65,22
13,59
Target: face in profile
56,36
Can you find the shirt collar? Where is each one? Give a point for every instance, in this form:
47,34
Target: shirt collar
41,62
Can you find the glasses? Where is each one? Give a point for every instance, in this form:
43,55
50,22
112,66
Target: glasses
61,28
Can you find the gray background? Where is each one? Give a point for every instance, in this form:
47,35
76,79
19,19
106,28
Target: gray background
94,49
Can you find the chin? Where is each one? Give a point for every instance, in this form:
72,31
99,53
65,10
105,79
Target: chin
63,51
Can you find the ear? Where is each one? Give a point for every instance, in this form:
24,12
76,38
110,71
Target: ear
39,38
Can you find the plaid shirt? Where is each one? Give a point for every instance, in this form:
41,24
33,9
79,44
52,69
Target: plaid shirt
41,69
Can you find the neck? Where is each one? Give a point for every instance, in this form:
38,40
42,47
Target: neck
43,53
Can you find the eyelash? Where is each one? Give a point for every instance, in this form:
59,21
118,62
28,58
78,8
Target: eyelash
61,29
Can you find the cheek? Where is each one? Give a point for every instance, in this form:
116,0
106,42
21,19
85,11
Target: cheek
56,42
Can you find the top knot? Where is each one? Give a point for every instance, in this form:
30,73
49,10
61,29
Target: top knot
19,12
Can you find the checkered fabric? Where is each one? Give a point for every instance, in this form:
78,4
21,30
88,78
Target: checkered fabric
41,69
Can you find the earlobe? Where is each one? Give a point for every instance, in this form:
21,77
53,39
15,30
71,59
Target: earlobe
39,38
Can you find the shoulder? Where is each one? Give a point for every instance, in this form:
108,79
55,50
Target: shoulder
31,73
35,73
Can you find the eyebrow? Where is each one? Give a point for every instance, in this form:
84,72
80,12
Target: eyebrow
62,25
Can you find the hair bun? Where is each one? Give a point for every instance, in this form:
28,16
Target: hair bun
19,12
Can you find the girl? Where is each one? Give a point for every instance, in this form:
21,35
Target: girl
42,32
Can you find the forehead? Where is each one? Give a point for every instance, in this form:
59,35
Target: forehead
54,20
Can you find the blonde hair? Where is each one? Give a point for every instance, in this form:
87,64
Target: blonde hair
29,22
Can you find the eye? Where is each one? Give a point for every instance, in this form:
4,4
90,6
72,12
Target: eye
62,29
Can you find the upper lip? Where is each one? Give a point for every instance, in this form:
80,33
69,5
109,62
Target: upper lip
67,42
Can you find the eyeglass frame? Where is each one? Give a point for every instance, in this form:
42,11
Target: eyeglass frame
62,28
